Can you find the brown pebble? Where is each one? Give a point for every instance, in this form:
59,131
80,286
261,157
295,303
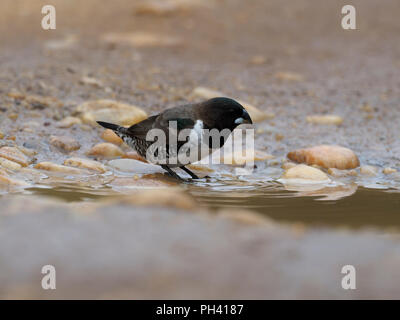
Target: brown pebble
13,116
289,76
85,164
326,156
8,164
369,170
5,180
68,122
65,143
13,154
49,166
341,173
133,155
110,111
325,119
389,170
110,136
106,150
301,171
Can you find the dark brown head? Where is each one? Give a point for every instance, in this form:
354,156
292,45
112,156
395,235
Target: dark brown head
223,113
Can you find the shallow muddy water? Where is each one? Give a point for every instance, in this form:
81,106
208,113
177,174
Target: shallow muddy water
346,207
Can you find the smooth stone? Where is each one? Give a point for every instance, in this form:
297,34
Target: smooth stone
8,164
85,164
168,7
134,166
110,111
36,101
106,150
27,151
68,122
110,136
14,154
287,165
289,76
141,39
134,155
326,156
49,166
389,170
304,172
6,180
369,170
66,144
325,119
341,173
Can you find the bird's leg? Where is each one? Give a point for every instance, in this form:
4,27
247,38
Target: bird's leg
171,172
189,172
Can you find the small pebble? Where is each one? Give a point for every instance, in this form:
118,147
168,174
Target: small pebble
91,81
110,136
110,111
50,166
258,59
302,171
341,173
64,143
389,170
289,76
5,180
68,122
326,156
325,119
14,154
106,150
141,39
162,8
134,155
369,170
8,164
85,164
287,165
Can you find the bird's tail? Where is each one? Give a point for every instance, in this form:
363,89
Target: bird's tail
114,127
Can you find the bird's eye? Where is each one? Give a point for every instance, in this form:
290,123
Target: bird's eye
239,120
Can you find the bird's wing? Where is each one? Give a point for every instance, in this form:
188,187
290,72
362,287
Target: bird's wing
173,121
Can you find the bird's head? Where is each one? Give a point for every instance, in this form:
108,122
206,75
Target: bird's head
224,113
